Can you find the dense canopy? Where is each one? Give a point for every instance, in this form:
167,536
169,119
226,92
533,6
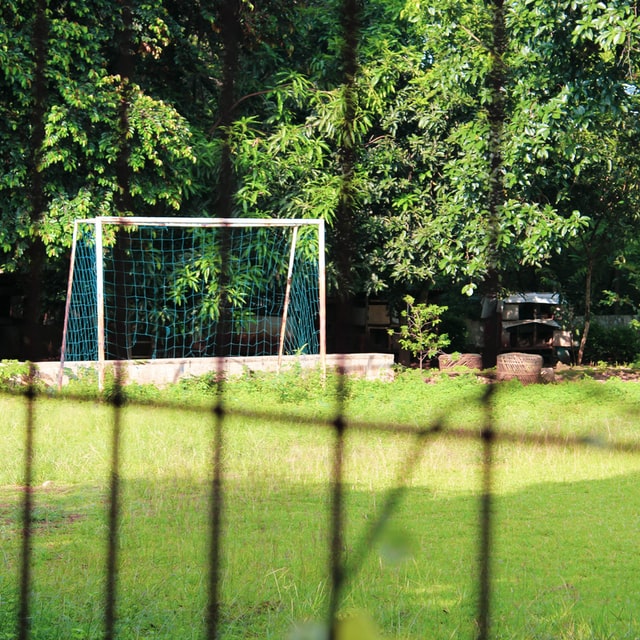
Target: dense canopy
471,139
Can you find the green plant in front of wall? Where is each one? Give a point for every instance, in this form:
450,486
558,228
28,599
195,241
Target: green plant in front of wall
15,375
420,334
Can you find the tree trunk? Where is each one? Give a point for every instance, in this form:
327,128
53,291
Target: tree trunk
231,34
32,343
345,243
491,341
496,114
587,309
492,321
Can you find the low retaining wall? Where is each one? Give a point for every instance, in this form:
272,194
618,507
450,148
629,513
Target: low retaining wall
162,372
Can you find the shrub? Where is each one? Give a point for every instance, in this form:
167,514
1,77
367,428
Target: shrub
14,375
420,334
619,344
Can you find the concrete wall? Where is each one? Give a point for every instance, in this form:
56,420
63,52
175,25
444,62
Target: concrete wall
163,372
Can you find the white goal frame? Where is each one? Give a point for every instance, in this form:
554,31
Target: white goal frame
100,222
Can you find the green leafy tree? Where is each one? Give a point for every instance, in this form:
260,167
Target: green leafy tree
422,128
81,129
584,133
569,169
422,132
66,144
420,334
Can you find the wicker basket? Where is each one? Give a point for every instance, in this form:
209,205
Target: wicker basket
468,360
526,367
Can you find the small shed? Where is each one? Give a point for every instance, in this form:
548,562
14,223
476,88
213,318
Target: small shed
529,324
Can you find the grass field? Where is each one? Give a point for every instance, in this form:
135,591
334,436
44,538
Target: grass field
566,510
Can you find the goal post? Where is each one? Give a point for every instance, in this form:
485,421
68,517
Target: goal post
176,288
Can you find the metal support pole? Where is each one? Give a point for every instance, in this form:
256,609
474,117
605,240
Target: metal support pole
100,303
67,306
287,296
322,294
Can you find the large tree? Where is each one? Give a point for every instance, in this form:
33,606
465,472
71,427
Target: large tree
423,130
581,128
82,136
423,127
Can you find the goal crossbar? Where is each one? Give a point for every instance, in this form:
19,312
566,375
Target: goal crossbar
133,221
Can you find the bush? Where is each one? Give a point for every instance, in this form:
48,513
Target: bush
420,334
619,344
15,375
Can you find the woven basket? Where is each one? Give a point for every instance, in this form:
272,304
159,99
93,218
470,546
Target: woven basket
525,367
468,360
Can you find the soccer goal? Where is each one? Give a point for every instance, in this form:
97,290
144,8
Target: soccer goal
147,288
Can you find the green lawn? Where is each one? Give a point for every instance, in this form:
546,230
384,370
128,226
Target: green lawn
566,525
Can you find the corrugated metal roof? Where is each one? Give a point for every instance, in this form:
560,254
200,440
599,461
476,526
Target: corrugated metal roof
532,297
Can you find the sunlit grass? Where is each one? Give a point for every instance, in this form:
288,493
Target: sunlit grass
565,529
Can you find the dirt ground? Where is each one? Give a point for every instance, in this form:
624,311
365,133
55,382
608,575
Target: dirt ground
563,372
559,373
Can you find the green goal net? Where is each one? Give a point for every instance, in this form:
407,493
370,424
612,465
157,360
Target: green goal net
142,288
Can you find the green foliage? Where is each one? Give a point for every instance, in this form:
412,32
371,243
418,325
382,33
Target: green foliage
421,131
420,335
14,375
619,344
82,136
295,385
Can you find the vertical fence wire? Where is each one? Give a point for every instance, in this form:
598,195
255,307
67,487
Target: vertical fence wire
27,510
35,256
230,23
217,497
485,522
123,202
111,571
496,116
336,543
345,238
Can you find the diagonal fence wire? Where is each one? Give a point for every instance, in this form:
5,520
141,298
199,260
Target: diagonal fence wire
117,399
231,29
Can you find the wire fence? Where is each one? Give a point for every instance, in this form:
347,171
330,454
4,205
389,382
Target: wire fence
341,569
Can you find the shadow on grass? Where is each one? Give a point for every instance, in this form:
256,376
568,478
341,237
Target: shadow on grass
564,560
